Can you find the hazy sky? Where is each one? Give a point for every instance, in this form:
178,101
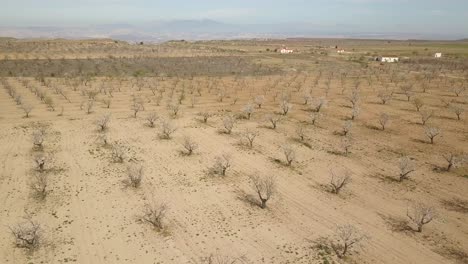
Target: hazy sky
445,16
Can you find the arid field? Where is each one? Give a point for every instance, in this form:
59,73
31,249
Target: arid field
229,152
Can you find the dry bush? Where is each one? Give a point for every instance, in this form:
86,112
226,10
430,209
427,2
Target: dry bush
189,145
425,116
134,175
314,117
222,164
205,116
154,214
406,167
457,110
249,136
228,123
432,133
346,129
289,154
248,110
38,137
39,186
152,118
339,180
384,118
285,107
265,187
385,96
418,103
259,100
118,153
453,160
347,238
27,234
419,214
103,122
167,129
273,119
27,108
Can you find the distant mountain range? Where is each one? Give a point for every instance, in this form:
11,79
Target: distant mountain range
205,29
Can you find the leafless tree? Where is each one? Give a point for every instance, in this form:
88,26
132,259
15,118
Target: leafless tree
107,102
103,138
136,107
228,123
190,145
458,90
301,133
250,135
314,117
406,166
118,153
407,91
346,239
285,107
419,214
27,234
174,108
273,119
39,186
40,160
355,112
222,164
259,100
354,98
347,128
346,145
103,122
289,154
339,180
38,137
384,118
134,175
152,118
265,187
385,96
432,132
154,214
418,103
318,104
89,106
248,110
453,160
50,103
27,108
167,129
205,116
457,110
425,116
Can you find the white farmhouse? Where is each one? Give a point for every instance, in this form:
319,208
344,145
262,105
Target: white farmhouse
438,55
389,59
341,51
286,51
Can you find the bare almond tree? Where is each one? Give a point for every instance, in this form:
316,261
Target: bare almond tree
107,102
259,100
318,104
346,129
228,123
134,175
458,90
432,133
265,187
222,164
355,111
174,108
40,161
27,234
301,133
425,116
27,108
406,166
384,118
38,137
103,122
89,106
136,107
205,116
289,154
167,129
152,118
347,238
354,98
314,117
273,119
154,214
248,110
250,135
285,107
457,110
190,145
419,214
118,153
39,186
339,180
346,145
418,103
453,160
385,96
